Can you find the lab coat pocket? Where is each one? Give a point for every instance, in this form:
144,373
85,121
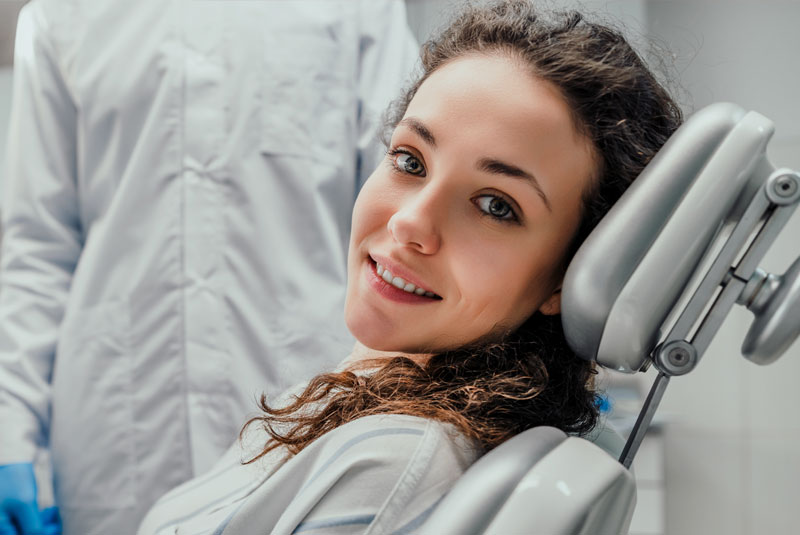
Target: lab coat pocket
92,433
304,105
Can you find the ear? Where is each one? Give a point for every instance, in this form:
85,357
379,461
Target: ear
552,306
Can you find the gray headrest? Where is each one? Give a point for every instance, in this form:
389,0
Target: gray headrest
628,275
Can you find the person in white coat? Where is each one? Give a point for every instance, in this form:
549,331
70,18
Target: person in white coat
176,212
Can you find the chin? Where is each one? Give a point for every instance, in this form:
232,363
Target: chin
378,343
365,331
378,338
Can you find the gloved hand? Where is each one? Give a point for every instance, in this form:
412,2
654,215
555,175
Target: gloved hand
19,511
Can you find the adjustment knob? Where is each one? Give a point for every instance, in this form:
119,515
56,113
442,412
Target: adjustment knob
775,302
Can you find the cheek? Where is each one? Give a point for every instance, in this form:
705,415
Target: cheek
366,213
377,196
485,268
503,284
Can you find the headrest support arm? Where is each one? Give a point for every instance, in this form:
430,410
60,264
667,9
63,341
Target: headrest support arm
776,305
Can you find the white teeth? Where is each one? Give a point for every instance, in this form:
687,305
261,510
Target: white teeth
400,283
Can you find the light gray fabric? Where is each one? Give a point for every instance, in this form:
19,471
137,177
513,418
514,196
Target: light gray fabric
378,474
179,184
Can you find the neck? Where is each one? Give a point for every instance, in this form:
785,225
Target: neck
366,357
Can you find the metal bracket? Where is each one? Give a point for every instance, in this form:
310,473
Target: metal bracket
679,353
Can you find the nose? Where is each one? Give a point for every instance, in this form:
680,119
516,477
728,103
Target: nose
415,223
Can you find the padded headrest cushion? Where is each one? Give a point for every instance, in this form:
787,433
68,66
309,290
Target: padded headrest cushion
629,273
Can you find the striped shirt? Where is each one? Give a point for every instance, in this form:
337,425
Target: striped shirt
377,474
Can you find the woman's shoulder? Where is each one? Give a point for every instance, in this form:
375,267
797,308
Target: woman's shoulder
400,436
386,470
391,449
389,423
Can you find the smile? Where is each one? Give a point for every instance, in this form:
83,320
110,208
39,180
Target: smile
396,288
398,282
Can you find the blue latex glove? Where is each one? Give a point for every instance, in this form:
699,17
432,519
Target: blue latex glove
51,521
19,512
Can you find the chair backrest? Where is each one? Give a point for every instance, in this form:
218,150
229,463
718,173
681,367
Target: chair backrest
541,481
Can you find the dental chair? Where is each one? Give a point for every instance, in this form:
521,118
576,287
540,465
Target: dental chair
649,287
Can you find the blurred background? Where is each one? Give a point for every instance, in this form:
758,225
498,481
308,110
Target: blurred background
723,455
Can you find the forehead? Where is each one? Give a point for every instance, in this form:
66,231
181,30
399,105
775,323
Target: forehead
491,105
477,87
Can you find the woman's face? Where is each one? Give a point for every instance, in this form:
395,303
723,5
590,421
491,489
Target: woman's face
473,208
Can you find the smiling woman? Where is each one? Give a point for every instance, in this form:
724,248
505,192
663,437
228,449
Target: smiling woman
519,134
477,199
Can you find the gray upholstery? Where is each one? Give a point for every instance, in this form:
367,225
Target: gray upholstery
471,504
628,275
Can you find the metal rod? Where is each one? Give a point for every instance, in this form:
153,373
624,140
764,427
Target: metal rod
644,419
719,268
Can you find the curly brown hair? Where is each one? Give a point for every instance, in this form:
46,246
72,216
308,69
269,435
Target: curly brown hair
493,391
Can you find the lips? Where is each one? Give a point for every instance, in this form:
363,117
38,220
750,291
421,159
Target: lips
397,283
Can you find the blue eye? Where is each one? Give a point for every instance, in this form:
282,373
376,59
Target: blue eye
496,207
406,162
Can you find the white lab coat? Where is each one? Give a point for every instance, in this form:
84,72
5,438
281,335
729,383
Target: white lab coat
179,181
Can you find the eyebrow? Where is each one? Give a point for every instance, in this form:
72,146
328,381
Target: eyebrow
496,167
422,131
